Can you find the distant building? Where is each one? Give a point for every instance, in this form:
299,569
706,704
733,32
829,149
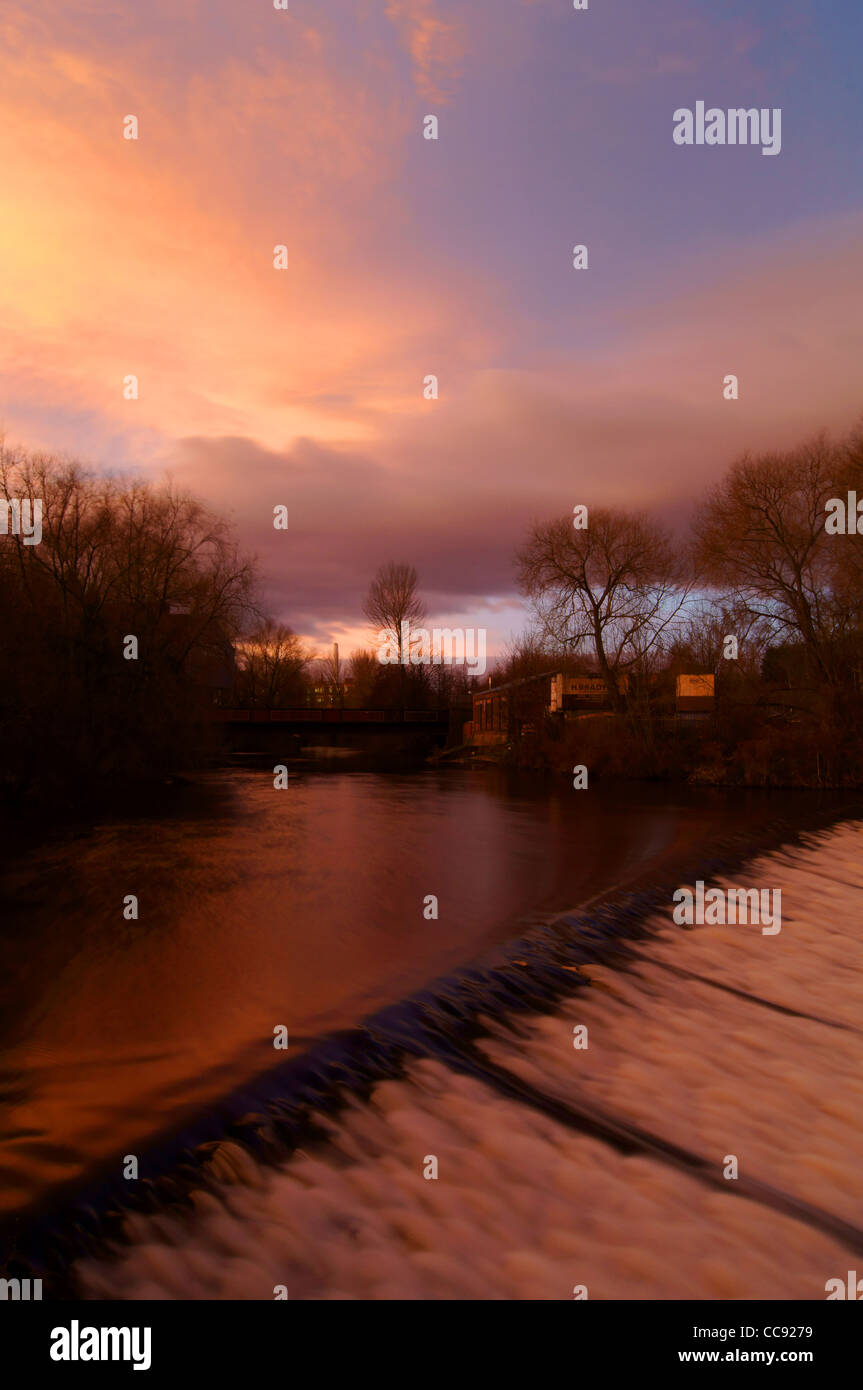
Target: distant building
331,693
502,712
518,707
490,721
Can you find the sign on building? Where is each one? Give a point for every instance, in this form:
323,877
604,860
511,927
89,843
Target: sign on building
695,692
578,692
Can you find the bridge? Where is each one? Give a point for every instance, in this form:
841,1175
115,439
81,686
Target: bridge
373,730
335,715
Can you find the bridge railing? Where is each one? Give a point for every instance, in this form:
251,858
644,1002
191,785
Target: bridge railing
322,715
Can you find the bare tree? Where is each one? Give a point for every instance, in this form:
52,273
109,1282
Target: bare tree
146,551
116,559
846,552
393,599
272,660
699,642
393,603
611,588
760,536
365,671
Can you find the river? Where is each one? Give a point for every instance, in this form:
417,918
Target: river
304,908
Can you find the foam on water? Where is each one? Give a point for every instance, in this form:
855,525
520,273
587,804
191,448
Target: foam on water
526,1206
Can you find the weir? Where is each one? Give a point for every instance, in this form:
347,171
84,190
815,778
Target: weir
470,1024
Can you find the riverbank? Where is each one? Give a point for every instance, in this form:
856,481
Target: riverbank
718,752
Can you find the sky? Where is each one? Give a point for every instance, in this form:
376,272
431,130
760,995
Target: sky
409,257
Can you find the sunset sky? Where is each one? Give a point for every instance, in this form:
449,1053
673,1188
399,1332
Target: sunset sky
409,257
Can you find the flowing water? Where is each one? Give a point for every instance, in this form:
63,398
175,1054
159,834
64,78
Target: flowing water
558,1168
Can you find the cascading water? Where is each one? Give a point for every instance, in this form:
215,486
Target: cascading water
560,1169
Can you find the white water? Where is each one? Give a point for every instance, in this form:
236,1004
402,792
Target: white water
525,1208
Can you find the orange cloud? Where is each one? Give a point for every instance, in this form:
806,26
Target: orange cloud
437,46
154,257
